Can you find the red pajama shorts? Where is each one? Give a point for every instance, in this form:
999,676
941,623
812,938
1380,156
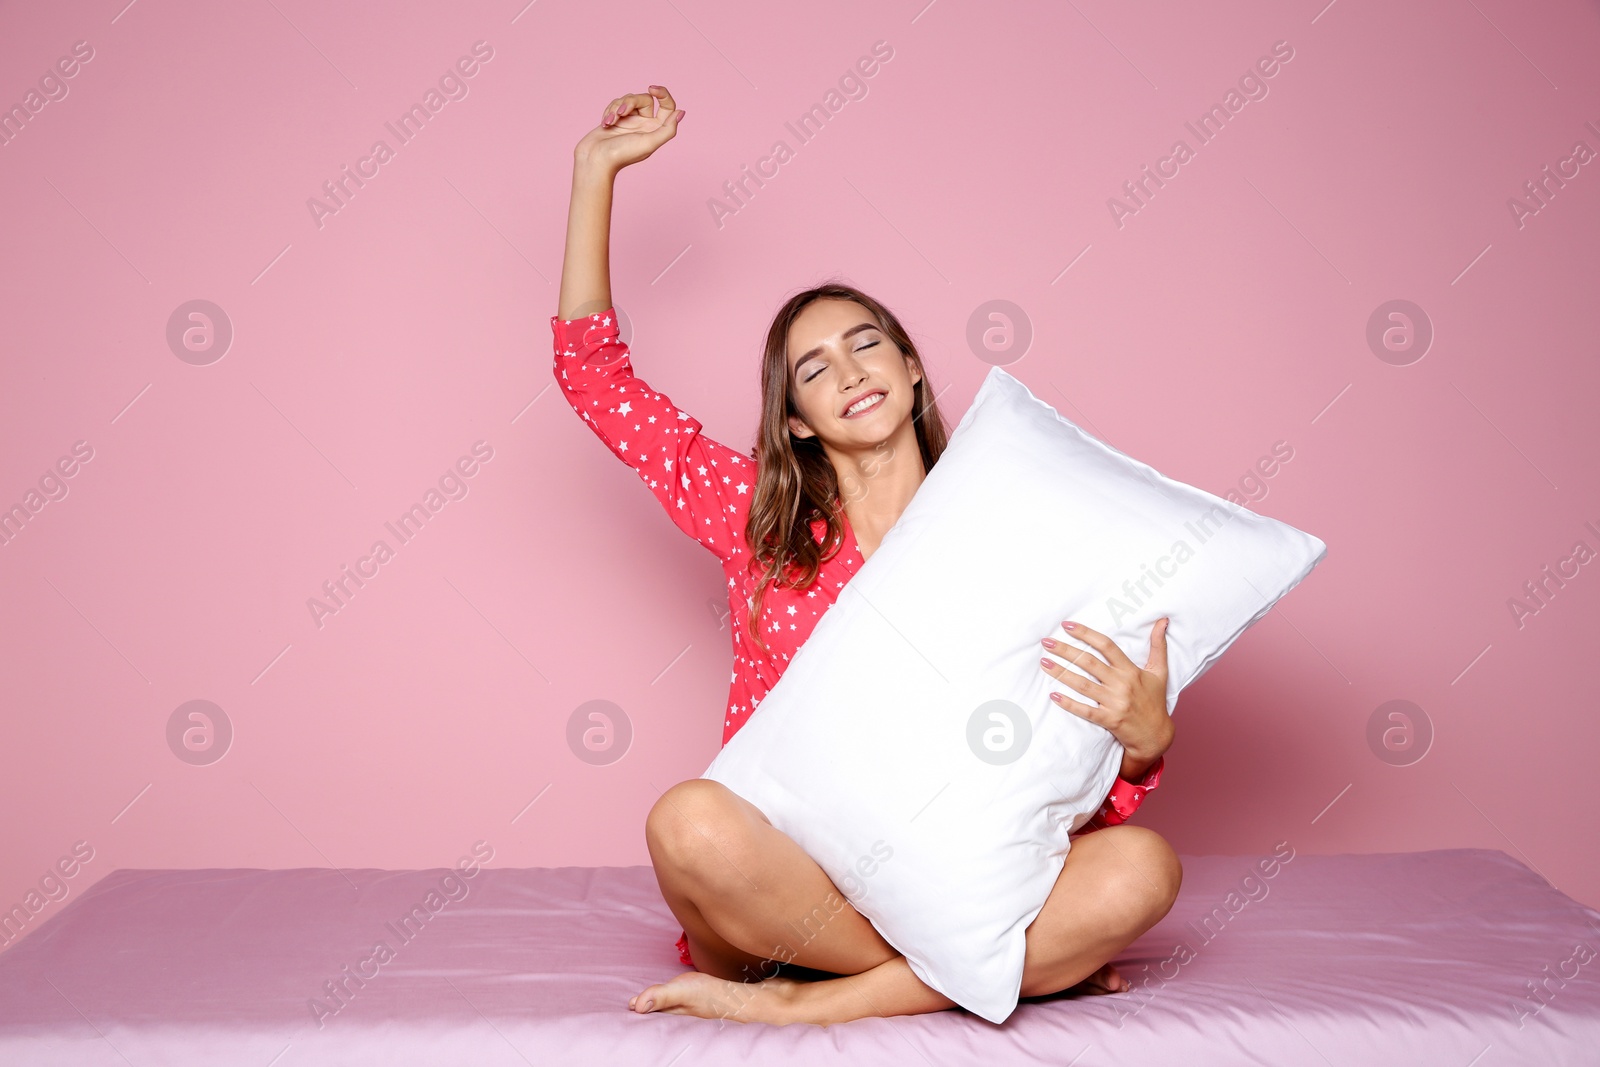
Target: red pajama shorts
683,949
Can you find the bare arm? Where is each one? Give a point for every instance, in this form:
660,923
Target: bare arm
700,482
586,268
633,127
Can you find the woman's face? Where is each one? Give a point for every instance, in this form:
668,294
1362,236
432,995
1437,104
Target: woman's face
837,357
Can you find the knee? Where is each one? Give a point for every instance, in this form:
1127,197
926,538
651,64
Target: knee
1150,878
686,819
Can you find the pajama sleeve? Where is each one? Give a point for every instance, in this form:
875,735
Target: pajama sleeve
1125,798
705,486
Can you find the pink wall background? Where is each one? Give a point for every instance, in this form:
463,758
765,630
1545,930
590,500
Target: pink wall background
371,351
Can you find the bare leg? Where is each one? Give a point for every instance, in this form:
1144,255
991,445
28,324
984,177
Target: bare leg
763,898
1115,884
711,846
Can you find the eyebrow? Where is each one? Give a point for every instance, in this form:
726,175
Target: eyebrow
851,332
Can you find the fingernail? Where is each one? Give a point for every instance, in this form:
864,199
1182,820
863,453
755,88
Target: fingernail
1046,663
1049,642
649,1004
1070,625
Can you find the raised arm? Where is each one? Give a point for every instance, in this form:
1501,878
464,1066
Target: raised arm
704,486
630,130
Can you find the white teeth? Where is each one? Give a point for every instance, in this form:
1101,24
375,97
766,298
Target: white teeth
862,405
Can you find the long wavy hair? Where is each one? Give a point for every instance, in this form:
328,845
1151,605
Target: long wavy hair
795,482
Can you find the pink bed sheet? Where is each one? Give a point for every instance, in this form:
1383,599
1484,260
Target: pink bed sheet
1458,957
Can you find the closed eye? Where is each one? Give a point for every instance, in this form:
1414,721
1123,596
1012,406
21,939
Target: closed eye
824,366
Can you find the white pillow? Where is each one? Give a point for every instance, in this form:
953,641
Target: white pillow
879,750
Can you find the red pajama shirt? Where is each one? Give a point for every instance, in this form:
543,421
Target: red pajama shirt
706,488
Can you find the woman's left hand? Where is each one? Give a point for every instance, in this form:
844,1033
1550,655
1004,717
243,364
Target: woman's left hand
1133,701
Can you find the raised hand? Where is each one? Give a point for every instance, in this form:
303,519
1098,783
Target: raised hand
632,127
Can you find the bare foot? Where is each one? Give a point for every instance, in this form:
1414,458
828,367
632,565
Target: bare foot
1105,980
709,997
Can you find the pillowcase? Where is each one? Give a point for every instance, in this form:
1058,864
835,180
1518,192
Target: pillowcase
911,747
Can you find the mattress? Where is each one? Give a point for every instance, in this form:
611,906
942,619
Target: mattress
1462,957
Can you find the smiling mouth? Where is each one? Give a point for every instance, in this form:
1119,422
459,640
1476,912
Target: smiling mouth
855,409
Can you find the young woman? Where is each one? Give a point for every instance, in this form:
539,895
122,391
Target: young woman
849,428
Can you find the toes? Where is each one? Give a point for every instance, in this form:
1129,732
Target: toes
1110,980
645,1001
694,993
1105,980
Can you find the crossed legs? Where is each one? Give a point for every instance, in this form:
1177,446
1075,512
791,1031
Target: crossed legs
749,899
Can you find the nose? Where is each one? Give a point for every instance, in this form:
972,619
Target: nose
851,370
